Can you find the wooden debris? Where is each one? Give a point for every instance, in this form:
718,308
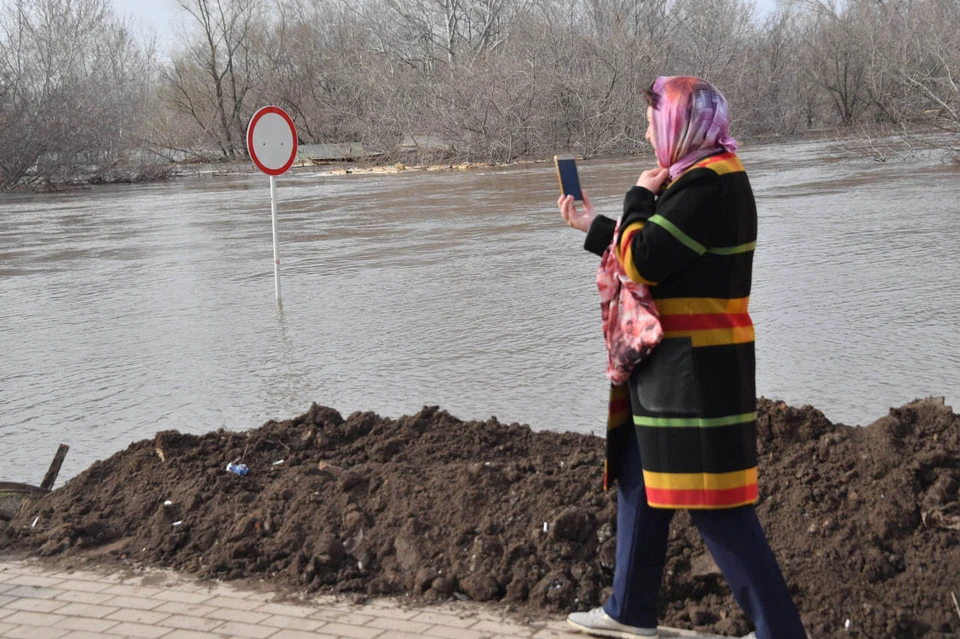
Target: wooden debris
51,477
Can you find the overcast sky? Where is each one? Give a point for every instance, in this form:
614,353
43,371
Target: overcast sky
157,17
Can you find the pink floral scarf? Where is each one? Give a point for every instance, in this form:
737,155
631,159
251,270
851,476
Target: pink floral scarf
690,122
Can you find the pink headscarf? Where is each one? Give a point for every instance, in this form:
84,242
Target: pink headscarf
690,122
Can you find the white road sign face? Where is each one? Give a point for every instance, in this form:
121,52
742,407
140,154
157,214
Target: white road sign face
272,140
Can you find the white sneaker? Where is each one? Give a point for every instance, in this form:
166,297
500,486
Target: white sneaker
600,624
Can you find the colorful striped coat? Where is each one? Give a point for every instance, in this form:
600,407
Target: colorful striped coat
693,400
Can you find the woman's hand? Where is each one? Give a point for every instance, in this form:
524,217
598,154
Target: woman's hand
653,179
577,219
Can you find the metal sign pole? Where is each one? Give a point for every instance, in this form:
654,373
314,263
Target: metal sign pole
272,144
276,248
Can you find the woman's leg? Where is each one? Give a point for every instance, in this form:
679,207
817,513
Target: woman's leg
641,545
740,548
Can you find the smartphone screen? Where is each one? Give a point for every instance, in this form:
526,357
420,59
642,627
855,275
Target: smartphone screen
567,173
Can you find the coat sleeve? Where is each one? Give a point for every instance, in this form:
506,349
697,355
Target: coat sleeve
659,237
600,234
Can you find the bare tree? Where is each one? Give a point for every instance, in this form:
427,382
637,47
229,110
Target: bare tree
839,58
713,35
493,80
210,80
933,72
72,81
423,31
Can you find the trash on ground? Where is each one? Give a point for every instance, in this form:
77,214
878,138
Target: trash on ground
238,469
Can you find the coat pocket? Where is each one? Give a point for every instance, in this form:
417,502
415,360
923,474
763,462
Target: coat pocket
665,381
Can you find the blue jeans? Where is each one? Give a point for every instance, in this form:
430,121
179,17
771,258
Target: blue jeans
733,536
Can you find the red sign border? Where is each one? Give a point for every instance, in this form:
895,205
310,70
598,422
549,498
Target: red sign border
250,149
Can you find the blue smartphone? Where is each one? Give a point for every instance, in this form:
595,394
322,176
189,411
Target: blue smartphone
567,174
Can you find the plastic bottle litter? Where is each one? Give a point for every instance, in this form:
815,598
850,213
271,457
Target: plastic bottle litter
237,469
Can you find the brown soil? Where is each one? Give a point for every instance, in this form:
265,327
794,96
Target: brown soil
865,521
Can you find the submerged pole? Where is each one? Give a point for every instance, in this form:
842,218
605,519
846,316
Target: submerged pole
276,246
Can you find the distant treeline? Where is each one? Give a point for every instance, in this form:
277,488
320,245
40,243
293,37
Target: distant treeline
464,80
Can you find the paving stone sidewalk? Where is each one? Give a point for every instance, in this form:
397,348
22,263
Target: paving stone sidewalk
40,602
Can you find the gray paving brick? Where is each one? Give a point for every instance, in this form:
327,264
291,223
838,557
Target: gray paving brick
559,630
149,617
342,616
140,603
231,603
188,622
178,583
131,591
357,632
181,596
554,633
34,632
85,624
240,629
301,634
225,590
502,627
32,592
192,634
35,580
94,611
79,596
241,616
36,605
138,631
83,634
452,621
393,612
23,618
178,608
35,602
42,570
83,585
399,625
450,632
291,623
285,609
83,575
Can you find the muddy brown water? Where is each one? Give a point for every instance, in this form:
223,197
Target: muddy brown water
129,310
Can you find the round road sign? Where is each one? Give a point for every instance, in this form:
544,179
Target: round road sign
272,140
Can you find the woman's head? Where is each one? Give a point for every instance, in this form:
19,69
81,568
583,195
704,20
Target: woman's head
688,120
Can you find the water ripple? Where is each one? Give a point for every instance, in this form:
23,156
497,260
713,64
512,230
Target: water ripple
129,310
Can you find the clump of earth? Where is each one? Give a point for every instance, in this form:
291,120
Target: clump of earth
865,521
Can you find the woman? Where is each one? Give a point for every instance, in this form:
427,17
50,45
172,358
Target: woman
688,231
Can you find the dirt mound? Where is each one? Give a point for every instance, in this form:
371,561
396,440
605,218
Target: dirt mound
865,521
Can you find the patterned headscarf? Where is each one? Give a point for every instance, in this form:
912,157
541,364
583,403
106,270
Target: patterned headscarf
690,122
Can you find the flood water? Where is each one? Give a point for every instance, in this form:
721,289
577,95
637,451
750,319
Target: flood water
132,309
